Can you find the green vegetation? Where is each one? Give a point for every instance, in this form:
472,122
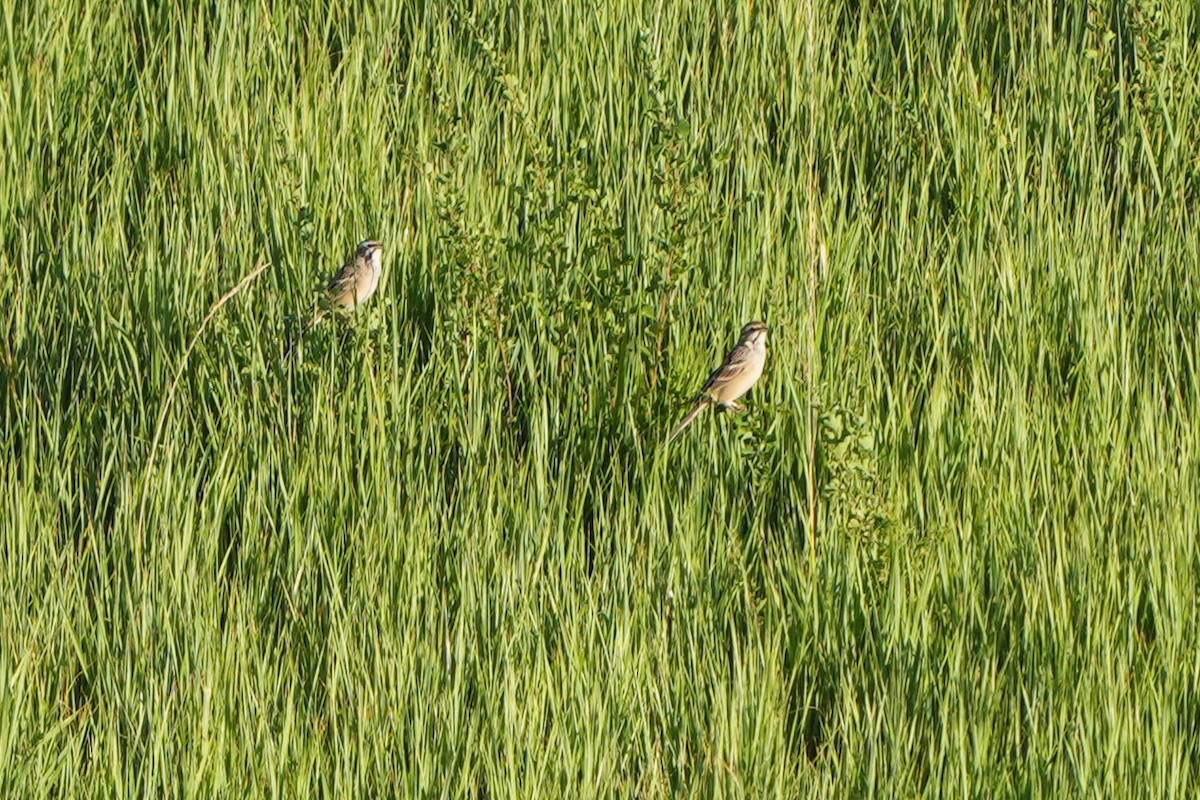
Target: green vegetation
443,551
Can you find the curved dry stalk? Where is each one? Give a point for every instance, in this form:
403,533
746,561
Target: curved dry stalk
162,414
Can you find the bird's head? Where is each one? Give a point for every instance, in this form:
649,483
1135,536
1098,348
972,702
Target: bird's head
755,333
370,251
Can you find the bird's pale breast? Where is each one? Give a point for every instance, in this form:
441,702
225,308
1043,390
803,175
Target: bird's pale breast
740,382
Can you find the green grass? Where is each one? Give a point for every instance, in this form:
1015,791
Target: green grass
444,551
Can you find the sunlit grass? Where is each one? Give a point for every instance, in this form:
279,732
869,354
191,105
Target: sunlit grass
444,550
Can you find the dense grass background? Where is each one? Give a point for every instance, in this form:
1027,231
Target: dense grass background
443,551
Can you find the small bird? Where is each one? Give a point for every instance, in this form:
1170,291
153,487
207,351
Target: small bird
741,369
350,286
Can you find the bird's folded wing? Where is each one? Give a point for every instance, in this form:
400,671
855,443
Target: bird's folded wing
343,279
734,365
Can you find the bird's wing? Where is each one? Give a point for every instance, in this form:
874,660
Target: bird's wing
734,365
344,278
342,289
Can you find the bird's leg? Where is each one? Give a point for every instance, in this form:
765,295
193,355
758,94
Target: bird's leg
733,406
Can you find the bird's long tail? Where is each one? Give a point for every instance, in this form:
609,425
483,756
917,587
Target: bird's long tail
312,323
701,404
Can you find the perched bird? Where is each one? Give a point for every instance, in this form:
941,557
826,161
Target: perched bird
350,286
741,369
